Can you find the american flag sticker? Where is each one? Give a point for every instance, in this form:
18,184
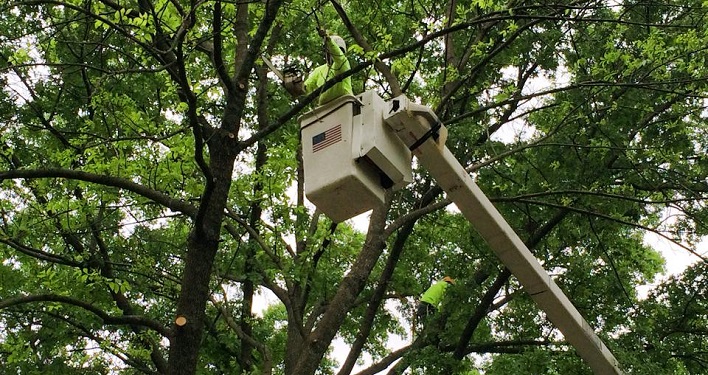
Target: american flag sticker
327,138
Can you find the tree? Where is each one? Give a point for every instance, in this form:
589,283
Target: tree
671,326
149,159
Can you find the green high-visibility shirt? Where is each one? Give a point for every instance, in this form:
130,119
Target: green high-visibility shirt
325,72
434,294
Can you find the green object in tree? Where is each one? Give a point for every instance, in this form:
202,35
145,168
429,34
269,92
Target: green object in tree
435,293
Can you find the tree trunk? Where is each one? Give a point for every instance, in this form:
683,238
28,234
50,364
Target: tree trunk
202,246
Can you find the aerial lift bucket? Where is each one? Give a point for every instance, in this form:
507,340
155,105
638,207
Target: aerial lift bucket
349,158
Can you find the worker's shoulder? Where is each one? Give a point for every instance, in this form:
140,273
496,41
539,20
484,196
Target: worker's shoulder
317,73
320,69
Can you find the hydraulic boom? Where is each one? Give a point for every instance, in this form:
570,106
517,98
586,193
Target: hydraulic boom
413,123
351,156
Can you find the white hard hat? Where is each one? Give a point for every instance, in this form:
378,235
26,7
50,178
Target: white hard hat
339,42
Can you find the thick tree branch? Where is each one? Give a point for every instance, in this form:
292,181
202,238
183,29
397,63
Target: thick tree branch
479,313
39,254
619,221
375,301
117,182
385,362
346,295
216,51
271,10
136,320
267,366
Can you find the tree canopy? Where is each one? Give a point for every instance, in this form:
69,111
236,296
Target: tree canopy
151,186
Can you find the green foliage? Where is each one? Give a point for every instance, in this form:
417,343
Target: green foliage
537,362
671,326
585,125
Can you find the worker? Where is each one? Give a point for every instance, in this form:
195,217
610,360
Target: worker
432,298
336,63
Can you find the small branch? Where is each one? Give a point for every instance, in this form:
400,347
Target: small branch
415,215
255,236
508,346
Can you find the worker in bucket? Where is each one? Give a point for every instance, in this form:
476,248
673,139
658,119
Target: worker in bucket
336,63
430,301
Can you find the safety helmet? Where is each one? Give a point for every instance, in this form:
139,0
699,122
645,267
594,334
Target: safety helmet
339,42
449,279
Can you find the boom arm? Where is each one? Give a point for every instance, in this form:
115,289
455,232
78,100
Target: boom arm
412,123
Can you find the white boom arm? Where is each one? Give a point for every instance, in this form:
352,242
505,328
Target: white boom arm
412,123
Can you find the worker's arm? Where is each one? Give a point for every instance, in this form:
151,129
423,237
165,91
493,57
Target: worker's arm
340,63
323,73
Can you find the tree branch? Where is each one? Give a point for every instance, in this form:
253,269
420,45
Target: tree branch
385,362
267,368
117,182
620,221
136,320
479,313
39,254
216,52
